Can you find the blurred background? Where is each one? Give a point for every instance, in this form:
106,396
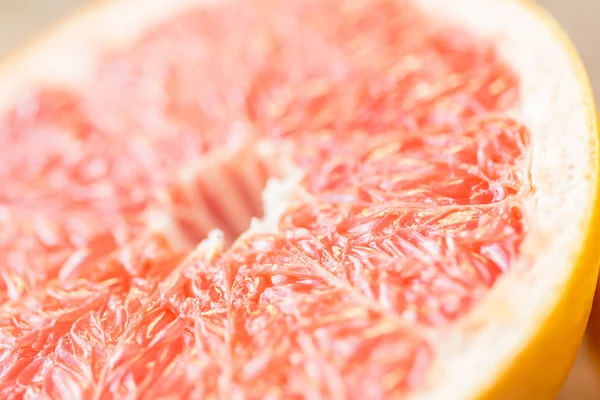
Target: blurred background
21,20
580,19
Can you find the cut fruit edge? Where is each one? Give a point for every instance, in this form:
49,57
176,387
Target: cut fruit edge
524,335
542,319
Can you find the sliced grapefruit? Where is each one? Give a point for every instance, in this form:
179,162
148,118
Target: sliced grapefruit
428,224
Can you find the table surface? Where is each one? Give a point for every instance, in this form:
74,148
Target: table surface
21,20
583,382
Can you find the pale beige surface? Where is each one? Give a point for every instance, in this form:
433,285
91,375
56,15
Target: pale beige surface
22,19
583,383
581,19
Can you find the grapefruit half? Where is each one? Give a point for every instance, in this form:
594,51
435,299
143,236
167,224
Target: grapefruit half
429,183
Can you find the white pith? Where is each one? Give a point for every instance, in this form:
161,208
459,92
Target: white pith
555,106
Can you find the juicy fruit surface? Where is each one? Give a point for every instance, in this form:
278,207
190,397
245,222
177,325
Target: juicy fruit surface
408,211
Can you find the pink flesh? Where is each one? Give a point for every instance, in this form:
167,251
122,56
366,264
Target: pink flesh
411,210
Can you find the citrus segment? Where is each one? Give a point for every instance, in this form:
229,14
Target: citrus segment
56,339
182,328
294,322
481,162
37,246
64,159
75,190
325,75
